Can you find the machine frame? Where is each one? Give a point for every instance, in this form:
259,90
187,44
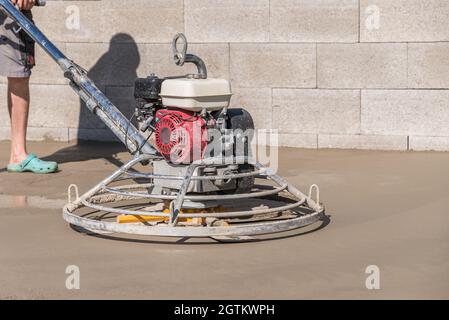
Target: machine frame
287,209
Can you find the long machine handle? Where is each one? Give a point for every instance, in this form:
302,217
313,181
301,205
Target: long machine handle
95,100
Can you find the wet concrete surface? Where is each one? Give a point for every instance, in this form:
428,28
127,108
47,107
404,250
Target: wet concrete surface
389,209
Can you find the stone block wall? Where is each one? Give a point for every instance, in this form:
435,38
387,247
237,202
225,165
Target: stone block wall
366,74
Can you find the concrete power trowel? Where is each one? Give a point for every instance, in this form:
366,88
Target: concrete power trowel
198,176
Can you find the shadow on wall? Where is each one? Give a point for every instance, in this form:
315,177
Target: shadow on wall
114,74
116,69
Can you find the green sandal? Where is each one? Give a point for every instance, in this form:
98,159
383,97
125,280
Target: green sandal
33,164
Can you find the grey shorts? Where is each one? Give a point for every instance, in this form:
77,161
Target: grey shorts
15,52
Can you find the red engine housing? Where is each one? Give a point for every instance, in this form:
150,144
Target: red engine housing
181,136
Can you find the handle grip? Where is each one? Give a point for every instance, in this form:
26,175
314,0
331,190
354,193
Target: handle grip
37,3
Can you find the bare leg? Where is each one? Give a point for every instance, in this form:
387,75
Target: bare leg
18,106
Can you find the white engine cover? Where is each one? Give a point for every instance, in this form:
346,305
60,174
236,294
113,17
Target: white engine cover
196,94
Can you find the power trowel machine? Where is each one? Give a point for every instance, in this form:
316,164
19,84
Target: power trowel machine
199,177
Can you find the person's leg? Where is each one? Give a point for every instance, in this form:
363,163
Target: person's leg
18,105
15,64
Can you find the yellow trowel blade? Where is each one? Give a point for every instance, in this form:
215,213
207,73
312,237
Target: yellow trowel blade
126,218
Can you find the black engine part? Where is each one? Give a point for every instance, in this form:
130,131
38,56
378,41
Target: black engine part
240,119
148,88
148,101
